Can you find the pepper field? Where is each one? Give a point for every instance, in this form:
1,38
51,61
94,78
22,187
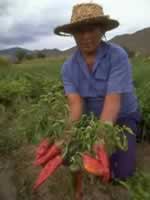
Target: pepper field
32,106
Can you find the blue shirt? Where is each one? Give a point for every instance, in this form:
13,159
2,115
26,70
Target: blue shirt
111,73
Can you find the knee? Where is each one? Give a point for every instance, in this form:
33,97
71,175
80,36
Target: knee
123,173
123,164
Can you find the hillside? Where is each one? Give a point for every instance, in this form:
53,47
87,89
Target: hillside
137,42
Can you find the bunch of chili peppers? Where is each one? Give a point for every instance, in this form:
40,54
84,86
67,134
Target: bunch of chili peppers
50,156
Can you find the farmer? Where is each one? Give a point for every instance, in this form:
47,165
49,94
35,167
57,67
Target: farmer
97,78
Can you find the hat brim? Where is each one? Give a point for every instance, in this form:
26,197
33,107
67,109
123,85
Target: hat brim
102,21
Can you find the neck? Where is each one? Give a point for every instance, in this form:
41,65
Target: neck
90,60
90,57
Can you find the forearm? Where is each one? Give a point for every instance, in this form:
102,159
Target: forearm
75,112
109,115
75,107
111,108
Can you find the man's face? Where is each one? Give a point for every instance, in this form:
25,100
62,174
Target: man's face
88,38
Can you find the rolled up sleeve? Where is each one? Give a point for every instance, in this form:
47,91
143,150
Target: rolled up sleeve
69,86
120,76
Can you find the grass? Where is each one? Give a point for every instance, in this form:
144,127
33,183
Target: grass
138,186
47,67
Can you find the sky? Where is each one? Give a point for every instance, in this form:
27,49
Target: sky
30,23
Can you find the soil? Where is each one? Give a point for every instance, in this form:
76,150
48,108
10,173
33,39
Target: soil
17,175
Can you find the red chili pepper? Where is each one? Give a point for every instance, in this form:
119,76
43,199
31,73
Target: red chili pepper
92,165
53,151
48,170
42,148
102,156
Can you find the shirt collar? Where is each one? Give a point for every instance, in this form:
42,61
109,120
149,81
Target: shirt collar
101,50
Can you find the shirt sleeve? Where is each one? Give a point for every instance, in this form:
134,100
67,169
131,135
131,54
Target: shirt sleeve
120,76
69,86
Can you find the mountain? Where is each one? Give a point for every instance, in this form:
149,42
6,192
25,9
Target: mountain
12,51
137,42
49,52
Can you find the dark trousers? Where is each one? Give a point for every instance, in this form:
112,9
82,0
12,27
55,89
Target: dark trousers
123,163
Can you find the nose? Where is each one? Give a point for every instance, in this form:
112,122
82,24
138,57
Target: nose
86,34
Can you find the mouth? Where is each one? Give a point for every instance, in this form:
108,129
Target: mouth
86,45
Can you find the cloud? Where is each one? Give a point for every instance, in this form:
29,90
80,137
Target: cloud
4,7
18,29
24,32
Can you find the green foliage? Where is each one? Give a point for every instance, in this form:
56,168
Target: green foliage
4,62
21,88
20,54
47,117
9,140
10,90
40,55
88,131
141,72
29,57
138,186
144,97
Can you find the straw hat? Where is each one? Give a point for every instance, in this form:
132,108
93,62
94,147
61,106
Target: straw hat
85,14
